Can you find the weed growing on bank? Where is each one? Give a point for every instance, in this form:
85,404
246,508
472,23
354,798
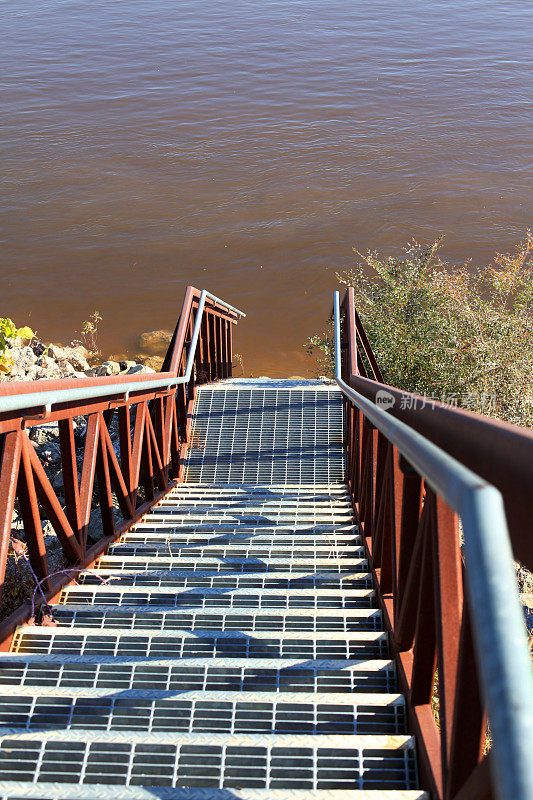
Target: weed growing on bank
456,333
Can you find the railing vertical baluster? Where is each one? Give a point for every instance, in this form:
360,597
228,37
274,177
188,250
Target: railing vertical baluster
229,345
199,355
87,475
174,445
9,471
147,465
219,346
348,421
224,350
386,549
405,539
380,497
70,475
104,484
212,349
356,456
397,479
468,726
159,430
448,602
31,517
424,655
124,433
206,337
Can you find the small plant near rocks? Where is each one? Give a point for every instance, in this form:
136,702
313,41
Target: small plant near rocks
89,333
240,362
8,334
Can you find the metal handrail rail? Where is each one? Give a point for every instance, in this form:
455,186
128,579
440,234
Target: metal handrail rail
499,631
46,399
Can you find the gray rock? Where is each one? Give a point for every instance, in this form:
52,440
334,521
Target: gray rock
154,362
79,363
46,362
38,348
108,368
24,359
67,369
57,480
56,352
155,342
139,369
44,433
77,357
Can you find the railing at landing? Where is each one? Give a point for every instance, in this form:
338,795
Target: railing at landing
452,609
153,414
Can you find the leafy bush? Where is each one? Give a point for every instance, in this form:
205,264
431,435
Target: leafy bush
8,333
457,334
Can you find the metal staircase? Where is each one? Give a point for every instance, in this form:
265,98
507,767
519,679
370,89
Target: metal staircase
229,645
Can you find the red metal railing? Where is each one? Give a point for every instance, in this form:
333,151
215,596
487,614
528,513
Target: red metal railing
414,543
154,431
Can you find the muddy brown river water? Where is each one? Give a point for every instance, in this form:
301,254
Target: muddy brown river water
246,147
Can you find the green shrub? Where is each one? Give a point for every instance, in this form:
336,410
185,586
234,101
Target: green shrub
457,334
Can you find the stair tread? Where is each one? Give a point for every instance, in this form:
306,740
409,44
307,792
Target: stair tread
13,790
298,698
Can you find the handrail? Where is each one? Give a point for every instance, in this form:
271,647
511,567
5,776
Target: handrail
497,451
125,386
151,419
501,644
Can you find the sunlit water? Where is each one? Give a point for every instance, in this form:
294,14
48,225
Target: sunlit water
246,147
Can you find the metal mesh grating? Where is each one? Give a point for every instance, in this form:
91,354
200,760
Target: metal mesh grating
203,644
228,675
196,598
225,620
245,762
170,548
262,435
206,712
280,580
234,565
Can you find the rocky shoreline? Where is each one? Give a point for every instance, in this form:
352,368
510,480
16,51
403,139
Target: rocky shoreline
33,360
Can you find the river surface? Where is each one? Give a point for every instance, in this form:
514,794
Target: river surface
247,147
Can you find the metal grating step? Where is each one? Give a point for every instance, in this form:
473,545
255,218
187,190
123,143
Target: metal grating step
212,580
219,619
169,548
245,504
317,489
234,565
267,435
12,790
205,598
166,526
188,644
217,760
220,674
221,536
152,711
251,515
